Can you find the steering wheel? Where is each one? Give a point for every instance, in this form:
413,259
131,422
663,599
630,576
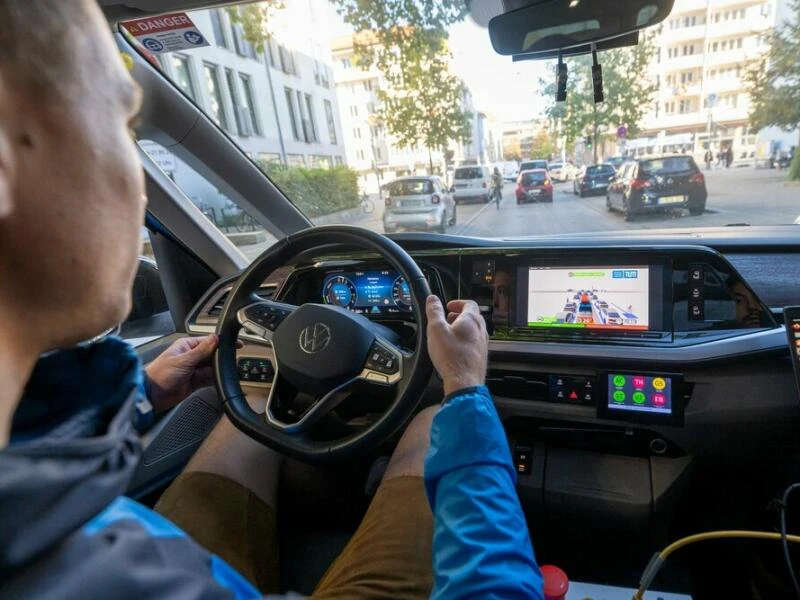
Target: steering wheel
321,351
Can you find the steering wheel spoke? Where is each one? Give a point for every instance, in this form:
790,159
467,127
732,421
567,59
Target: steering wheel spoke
263,317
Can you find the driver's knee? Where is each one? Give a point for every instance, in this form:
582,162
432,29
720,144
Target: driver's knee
408,459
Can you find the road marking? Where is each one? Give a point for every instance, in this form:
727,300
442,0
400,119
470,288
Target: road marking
473,218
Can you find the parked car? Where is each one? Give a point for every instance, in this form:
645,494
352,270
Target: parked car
510,170
418,203
562,171
529,165
658,185
472,183
595,179
534,186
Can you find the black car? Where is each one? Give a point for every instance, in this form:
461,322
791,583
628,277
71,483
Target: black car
595,179
658,185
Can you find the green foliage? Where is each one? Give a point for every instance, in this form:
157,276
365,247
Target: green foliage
794,167
315,191
543,145
774,81
254,19
628,92
406,40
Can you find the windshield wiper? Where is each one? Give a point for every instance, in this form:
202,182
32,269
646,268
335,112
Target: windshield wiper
737,224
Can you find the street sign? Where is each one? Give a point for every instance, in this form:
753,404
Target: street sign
712,100
166,33
622,132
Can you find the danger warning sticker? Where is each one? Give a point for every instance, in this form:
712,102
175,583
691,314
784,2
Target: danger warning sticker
166,33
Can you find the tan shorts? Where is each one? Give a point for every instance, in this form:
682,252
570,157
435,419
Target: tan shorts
389,556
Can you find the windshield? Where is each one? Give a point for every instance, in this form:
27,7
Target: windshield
533,178
410,187
337,100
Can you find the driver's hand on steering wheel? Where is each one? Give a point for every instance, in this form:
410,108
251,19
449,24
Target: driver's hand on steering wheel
457,343
181,369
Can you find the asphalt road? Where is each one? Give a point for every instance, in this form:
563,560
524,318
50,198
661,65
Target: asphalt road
735,196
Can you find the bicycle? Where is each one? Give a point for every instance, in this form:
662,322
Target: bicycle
367,205
497,193
245,222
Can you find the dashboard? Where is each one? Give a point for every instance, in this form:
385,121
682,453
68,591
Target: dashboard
619,366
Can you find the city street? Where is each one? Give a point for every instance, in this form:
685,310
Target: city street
735,196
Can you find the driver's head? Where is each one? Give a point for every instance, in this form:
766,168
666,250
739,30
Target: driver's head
71,186
748,310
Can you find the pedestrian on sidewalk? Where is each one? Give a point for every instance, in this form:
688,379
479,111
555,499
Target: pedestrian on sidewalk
709,157
729,157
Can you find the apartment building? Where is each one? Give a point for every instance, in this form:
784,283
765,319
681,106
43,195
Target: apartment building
705,49
279,105
371,150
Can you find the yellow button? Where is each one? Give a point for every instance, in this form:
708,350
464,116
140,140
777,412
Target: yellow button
659,383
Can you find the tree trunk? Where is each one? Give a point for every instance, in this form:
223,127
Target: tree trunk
430,161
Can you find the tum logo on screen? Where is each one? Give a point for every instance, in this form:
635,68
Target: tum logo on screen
625,274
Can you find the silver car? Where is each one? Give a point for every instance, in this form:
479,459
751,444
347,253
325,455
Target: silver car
418,203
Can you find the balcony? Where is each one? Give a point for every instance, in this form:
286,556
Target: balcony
738,27
723,84
674,121
683,34
680,63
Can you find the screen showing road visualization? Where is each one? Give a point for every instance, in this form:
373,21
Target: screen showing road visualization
589,297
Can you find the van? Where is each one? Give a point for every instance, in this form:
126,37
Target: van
472,183
510,170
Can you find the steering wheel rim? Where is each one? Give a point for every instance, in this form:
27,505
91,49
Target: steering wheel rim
414,370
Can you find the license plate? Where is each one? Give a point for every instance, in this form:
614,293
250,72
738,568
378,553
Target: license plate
411,203
595,184
536,192
672,199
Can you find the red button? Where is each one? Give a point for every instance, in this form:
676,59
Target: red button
659,400
638,382
556,583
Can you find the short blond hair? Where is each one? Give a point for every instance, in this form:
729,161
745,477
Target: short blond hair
35,40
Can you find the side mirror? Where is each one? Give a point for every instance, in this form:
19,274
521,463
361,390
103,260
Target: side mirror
452,190
612,178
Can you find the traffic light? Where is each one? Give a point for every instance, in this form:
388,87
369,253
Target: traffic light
588,141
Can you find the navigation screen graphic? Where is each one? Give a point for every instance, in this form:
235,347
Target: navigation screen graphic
589,297
640,393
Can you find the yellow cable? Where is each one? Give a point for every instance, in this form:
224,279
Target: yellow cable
709,535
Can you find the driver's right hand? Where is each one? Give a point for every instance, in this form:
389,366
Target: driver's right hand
457,343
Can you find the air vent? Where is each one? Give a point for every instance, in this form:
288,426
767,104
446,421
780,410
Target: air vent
265,293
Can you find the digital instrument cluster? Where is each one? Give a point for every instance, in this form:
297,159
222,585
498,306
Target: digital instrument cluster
379,292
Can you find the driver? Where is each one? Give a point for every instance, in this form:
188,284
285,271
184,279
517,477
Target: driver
445,520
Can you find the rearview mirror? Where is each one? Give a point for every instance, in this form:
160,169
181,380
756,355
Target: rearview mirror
542,28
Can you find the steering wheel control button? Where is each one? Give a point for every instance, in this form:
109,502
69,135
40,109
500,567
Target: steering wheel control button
382,360
377,377
257,370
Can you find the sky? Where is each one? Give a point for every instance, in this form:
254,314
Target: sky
505,90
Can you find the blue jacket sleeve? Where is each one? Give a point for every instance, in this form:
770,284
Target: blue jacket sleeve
481,546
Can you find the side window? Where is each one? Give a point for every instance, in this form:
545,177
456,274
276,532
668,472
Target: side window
149,317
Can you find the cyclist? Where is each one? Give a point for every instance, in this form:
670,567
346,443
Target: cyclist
497,186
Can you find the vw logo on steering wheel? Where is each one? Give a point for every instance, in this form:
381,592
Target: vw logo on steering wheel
315,338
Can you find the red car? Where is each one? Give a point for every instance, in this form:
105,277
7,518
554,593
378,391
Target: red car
534,186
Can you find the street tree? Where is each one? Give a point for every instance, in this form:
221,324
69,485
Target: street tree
254,18
512,149
406,40
774,81
542,145
628,93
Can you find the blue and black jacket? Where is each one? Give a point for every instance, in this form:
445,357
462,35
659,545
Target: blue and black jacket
67,531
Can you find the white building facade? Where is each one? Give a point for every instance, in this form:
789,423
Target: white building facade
279,106
706,48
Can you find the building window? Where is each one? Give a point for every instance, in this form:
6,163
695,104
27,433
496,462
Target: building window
346,63
250,102
339,161
243,47
331,121
369,85
215,94
182,67
292,112
378,153
271,52
739,43
357,133
354,111
287,60
239,113
311,128
217,28
360,154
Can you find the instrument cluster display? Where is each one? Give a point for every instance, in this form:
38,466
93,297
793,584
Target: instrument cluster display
383,292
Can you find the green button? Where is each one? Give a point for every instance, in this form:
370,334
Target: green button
619,396
639,398
619,380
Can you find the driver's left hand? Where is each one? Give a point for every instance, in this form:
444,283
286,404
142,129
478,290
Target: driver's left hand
181,369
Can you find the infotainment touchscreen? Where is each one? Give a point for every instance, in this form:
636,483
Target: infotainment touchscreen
608,297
